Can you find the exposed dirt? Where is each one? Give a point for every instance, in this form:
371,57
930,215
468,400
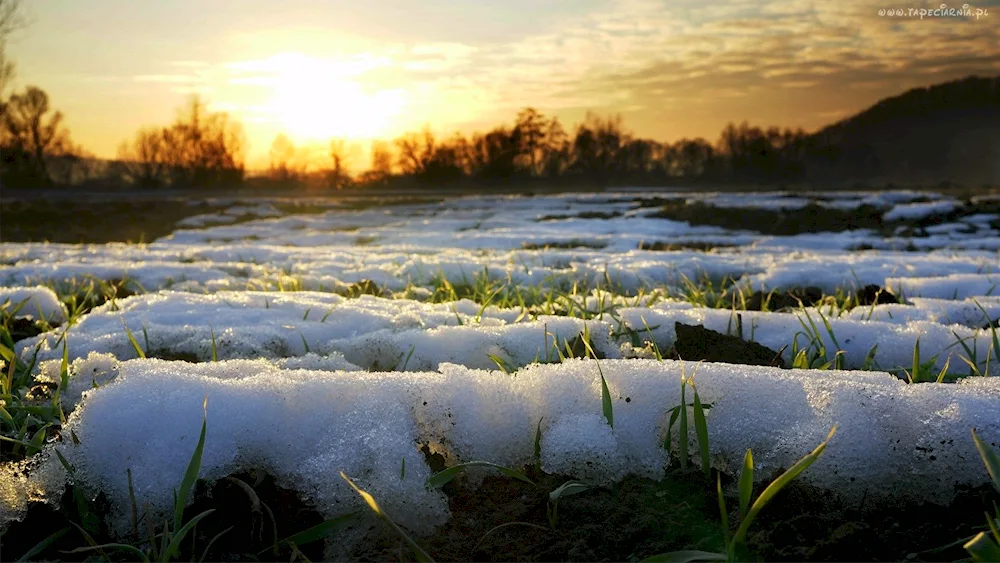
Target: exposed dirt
365,287
82,221
809,219
503,519
574,243
688,245
874,295
22,328
804,524
582,215
696,343
784,300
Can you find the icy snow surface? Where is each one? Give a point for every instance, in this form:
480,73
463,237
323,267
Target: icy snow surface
364,423
310,383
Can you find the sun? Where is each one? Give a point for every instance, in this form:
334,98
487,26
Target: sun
314,99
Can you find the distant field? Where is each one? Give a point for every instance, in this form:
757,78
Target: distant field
559,337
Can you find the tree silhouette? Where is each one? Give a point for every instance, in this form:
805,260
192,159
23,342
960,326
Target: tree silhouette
200,149
284,165
30,136
143,163
338,176
10,20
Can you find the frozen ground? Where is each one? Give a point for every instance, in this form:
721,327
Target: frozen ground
357,382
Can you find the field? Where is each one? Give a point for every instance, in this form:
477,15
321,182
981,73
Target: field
553,377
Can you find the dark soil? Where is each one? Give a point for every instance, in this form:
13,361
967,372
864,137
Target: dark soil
696,343
365,287
784,300
874,295
507,520
83,221
502,519
804,524
689,245
809,219
574,243
22,328
582,215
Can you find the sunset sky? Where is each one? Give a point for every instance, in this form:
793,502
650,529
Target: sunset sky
317,69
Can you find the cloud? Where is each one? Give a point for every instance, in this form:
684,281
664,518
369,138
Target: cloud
683,68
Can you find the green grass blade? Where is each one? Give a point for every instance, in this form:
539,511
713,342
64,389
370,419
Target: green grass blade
538,446
133,341
683,442
408,356
778,484
191,475
215,349
418,552
701,430
569,488
746,483
869,362
321,530
444,477
133,551
606,407
41,546
982,548
944,370
990,459
500,362
211,542
688,556
674,415
175,541
723,511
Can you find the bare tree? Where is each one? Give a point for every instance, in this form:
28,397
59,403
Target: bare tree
338,177
143,163
30,135
199,149
529,136
286,165
10,21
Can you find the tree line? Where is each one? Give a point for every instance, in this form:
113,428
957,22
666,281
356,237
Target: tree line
208,149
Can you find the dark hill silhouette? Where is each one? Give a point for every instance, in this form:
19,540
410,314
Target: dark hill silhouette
945,132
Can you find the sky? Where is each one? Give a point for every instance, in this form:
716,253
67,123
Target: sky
321,69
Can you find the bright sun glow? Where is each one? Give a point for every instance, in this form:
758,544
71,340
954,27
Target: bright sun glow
318,100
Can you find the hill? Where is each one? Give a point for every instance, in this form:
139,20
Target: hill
945,132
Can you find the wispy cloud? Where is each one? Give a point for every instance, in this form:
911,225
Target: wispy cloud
683,67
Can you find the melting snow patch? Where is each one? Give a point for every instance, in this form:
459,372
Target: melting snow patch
364,424
39,302
917,211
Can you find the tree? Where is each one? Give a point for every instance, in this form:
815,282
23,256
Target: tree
283,160
30,135
144,162
338,177
200,149
556,153
494,154
10,20
415,151
529,137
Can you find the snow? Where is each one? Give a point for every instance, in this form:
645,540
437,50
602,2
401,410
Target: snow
309,382
39,303
916,211
364,424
